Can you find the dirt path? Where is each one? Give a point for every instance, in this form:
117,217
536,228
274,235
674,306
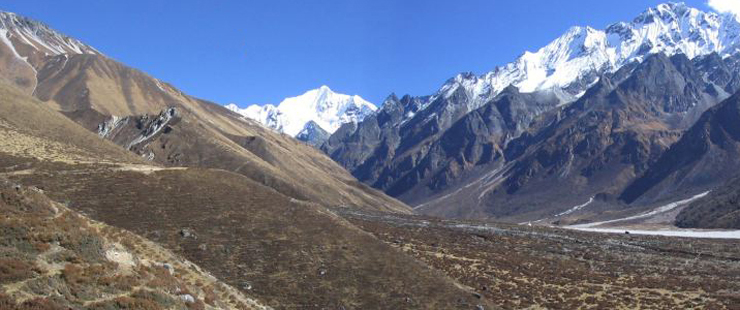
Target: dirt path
145,169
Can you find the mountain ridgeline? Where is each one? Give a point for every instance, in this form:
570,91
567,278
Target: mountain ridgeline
606,125
119,191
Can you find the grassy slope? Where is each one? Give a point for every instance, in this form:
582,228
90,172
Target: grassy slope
54,258
290,253
33,129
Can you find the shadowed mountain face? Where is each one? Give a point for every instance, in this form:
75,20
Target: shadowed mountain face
313,134
593,146
719,209
705,157
521,155
412,159
603,141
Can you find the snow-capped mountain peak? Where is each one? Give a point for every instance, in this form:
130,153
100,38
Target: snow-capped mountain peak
575,60
16,29
326,108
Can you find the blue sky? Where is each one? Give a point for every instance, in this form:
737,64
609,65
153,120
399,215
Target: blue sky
262,51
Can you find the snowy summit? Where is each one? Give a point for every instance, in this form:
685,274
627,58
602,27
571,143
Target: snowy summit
574,61
327,109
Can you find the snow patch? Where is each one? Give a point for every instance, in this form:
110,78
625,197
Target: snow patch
576,208
661,209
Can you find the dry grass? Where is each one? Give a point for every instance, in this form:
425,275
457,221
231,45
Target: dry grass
519,267
30,129
290,254
16,143
53,258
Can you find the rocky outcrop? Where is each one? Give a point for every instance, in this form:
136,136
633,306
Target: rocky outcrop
88,264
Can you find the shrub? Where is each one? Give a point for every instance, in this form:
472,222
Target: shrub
33,304
156,297
127,303
13,270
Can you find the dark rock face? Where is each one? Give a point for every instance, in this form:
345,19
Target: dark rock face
521,156
136,132
707,155
720,209
354,144
411,152
724,73
614,133
313,134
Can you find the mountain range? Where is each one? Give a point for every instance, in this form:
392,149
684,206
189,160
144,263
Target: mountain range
585,118
120,191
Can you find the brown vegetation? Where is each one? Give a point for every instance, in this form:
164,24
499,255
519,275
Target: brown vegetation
521,267
53,258
283,251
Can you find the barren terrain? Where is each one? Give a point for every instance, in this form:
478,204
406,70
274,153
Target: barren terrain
536,267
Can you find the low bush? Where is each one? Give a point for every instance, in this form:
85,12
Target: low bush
13,270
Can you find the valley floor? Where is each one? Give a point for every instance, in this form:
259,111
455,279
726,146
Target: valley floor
521,266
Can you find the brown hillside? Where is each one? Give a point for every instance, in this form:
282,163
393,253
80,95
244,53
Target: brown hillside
54,258
92,89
